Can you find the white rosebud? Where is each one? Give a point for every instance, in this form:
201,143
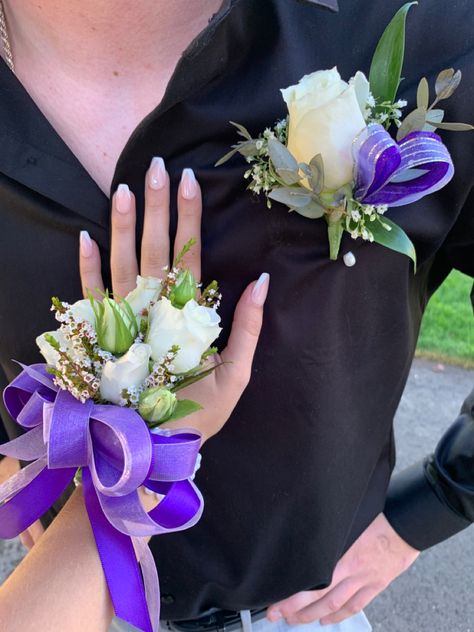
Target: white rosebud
129,371
193,328
147,290
326,115
82,311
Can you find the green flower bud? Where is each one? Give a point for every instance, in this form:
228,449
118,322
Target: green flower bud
157,404
184,289
115,324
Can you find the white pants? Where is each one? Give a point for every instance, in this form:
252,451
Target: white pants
357,623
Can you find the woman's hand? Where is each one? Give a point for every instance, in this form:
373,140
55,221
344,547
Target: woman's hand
219,392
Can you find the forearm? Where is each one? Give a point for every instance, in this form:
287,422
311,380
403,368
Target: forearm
433,500
60,585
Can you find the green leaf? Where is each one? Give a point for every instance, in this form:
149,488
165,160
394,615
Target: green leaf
455,127
313,210
294,197
247,148
242,130
184,407
280,156
394,238
387,62
423,94
447,82
413,122
335,231
195,377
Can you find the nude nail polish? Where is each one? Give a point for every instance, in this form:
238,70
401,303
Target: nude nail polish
157,173
85,243
188,184
260,289
123,198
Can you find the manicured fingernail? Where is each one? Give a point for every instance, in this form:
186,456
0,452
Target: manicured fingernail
260,291
123,198
85,243
157,173
188,184
274,615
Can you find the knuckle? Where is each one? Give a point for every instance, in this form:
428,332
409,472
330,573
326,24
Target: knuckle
355,607
334,604
305,618
122,277
153,260
189,211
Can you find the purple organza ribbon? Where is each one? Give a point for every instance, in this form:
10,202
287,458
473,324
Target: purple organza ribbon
118,454
396,174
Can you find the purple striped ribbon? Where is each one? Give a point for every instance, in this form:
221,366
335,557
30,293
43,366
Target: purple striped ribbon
118,454
396,174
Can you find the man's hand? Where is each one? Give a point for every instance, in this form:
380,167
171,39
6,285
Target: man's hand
375,559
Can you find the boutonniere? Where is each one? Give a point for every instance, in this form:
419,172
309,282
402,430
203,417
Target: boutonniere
333,157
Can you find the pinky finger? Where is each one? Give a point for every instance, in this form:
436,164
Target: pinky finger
356,604
89,265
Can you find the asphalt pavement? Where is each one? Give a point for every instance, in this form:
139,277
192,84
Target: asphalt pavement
437,593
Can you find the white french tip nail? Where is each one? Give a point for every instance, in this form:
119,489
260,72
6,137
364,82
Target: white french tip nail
349,259
123,198
157,173
260,289
188,184
85,243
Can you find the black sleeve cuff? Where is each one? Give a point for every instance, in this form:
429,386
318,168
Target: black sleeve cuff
417,513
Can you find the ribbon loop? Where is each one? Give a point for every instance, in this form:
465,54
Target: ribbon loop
399,174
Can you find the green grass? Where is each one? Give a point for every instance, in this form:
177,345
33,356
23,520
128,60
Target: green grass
447,331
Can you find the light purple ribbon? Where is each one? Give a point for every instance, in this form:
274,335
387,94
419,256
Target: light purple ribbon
396,174
118,454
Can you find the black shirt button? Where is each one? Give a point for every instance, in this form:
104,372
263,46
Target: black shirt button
166,600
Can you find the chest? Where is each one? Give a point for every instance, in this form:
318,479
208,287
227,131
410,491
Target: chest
95,122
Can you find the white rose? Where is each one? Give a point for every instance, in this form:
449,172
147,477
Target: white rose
326,114
49,354
129,371
82,310
193,328
147,290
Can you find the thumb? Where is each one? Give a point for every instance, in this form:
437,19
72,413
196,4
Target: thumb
246,329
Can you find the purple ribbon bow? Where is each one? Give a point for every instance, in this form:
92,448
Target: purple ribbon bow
396,174
118,454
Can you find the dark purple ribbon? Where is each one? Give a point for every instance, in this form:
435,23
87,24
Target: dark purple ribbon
118,454
396,174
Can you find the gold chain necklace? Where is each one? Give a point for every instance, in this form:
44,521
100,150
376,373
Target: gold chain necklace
6,39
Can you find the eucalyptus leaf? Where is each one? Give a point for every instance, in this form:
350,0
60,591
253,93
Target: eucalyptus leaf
317,173
280,156
387,62
243,131
288,176
184,407
227,156
414,122
313,210
294,197
396,239
455,127
423,94
335,232
247,148
435,117
446,83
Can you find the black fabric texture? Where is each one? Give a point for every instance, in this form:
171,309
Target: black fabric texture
303,465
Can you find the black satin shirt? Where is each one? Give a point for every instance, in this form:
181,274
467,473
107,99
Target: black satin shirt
304,464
